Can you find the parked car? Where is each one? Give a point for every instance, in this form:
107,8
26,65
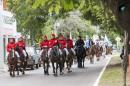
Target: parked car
33,57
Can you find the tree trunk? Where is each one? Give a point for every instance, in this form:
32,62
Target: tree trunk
125,60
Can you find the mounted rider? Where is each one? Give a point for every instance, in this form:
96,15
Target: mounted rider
70,44
62,43
12,45
88,43
80,51
44,43
52,43
21,45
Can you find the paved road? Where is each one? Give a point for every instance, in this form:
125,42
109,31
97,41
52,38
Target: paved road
79,77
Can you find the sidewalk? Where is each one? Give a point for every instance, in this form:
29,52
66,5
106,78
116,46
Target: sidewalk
3,67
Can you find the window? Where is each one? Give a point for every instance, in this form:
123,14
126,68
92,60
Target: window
5,7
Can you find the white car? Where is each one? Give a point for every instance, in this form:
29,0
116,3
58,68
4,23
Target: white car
33,57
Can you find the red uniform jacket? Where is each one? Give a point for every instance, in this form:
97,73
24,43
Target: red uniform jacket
11,46
21,44
69,43
44,43
62,43
53,42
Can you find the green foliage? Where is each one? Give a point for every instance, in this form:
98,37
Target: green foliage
37,17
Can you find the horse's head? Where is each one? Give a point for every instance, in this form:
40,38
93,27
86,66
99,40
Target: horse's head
55,51
45,52
12,53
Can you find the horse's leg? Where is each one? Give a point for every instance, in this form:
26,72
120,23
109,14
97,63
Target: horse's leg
44,67
92,59
13,70
57,64
17,69
47,67
10,70
53,67
83,61
24,67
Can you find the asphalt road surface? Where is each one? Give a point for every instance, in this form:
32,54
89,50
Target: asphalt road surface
79,77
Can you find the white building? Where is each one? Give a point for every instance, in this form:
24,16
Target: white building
7,29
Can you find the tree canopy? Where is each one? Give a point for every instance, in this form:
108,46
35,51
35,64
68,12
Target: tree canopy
35,17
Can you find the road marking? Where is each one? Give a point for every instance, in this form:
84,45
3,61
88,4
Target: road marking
100,75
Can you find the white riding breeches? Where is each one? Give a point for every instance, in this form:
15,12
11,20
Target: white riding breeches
24,52
41,52
67,52
73,51
16,53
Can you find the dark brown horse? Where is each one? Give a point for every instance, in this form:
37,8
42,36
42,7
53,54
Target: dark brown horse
99,51
23,60
12,63
108,50
56,60
45,60
69,60
92,53
80,54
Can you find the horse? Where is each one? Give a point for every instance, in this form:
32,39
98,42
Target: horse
12,63
63,59
45,60
56,58
108,50
23,60
80,53
91,53
69,60
99,51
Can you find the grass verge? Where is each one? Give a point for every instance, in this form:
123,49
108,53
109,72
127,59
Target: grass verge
113,75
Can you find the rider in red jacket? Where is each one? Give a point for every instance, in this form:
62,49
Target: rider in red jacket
21,45
70,44
11,45
44,43
53,42
62,43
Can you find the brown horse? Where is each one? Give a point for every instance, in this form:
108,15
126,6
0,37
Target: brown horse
69,60
45,60
56,60
92,53
12,63
108,50
23,60
99,51
80,54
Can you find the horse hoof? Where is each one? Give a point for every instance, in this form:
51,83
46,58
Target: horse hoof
69,71
61,73
98,59
23,73
13,75
18,74
55,75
